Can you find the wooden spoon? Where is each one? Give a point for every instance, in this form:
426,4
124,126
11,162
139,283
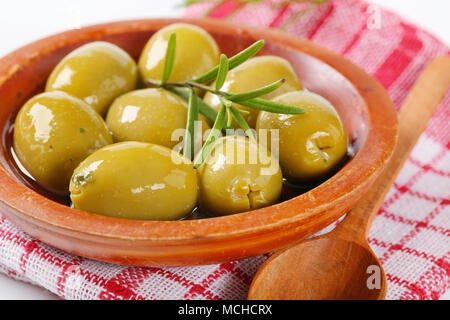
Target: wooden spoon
340,264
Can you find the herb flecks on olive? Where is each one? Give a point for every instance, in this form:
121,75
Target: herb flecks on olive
238,175
256,73
310,145
48,139
97,73
135,180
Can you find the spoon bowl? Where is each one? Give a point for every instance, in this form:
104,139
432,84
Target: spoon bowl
307,271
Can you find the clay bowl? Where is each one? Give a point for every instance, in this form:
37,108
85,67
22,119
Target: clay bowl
364,106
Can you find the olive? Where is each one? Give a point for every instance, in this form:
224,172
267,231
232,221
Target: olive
196,52
310,144
256,73
135,180
150,115
96,72
53,133
238,175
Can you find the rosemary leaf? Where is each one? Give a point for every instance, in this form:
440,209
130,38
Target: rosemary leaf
241,121
192,117
246,54
233,62
237,97
229,117
204,108
213,135
271,106
222,73
244,111
169,60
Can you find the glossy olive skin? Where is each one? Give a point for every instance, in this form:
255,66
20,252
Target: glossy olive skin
237,176
255,73
135,180
96,72
53,133
310,144
150,115
196,53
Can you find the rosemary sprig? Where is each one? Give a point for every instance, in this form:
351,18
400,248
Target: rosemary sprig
185,90
255,103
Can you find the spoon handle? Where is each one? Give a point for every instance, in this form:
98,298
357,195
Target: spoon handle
413,117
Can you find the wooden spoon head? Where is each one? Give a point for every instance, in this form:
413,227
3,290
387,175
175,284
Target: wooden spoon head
320,269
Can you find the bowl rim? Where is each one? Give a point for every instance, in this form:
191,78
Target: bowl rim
368,162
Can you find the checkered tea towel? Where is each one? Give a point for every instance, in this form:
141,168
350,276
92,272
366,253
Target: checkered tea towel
411,233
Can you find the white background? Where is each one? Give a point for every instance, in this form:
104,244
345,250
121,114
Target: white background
22,21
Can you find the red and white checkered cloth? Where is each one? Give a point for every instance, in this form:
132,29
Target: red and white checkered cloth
411,233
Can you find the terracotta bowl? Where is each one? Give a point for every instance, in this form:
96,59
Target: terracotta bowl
364,106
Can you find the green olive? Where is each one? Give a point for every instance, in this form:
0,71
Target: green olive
196,52
256,73
135,180
53,133
310,144
238,175
97,73
151,115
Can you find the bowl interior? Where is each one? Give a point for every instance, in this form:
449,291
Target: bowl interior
314,74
